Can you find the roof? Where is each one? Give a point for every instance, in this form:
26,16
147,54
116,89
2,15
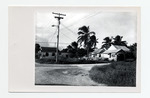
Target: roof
97,51
124,48
116,49
48,49
112,51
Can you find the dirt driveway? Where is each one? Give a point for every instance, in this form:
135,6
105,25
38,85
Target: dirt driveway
71,75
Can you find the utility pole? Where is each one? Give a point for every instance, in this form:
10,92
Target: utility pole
58,17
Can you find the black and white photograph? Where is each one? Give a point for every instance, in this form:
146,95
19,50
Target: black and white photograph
86,46
75,49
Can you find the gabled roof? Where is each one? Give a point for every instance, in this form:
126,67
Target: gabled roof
124,48
116,48
97,51
48,49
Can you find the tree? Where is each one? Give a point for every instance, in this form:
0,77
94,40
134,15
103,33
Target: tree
37,50
133,49
93,40
69,48
118,41
83,35
74,45
81,52
87,38
107,41
75,48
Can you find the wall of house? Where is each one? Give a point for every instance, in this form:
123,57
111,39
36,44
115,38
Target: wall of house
52,55
104,56
95,56
110,57
113,57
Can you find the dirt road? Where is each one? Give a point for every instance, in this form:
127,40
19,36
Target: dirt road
71,75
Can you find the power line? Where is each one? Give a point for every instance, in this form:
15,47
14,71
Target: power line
76,21
69,29
53,35
92,15
67,36
84,18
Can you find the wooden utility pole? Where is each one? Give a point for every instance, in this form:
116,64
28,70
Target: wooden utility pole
58,17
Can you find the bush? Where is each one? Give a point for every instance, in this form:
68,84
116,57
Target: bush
115,74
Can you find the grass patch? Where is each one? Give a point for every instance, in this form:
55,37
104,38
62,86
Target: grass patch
115,74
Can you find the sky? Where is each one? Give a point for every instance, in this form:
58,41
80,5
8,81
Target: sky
103,23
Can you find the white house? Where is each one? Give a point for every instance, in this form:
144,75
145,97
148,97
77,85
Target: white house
96,54
115,53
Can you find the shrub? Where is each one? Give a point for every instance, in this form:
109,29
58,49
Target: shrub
115,74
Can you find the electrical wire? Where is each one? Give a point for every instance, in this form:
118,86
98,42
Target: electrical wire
84,18
69,29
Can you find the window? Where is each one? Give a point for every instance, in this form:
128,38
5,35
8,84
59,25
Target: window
99,55
59,53
113,55
53,54
66,56
109,55
47,54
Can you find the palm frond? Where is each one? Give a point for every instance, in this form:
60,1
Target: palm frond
84,29
80,33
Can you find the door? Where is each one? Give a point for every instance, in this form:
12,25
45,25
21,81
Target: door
120,57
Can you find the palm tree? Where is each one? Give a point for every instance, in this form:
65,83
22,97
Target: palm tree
118,41
83,35
106,43
87,38
93,40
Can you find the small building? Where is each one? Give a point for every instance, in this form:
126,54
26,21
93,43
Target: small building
50,53
115,53
96,54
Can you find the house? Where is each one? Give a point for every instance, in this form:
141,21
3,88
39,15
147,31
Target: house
96,54
50,53
115,53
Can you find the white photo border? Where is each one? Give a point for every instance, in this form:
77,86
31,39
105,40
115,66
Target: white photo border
21,60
